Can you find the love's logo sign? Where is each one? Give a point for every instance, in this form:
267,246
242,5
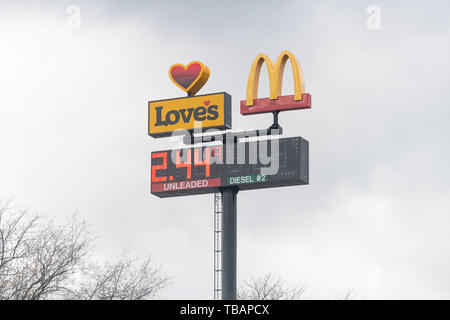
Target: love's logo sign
188,113
191,78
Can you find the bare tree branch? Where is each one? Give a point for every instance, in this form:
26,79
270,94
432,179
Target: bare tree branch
349,294
121,280
269,287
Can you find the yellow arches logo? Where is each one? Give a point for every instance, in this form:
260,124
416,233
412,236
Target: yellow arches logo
275,76
276,102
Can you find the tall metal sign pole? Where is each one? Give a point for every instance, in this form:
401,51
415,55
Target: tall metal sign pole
227,163
229,243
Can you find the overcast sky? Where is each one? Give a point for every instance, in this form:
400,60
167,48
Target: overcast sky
73,136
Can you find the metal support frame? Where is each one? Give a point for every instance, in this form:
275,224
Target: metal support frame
225,216
276,125
217,246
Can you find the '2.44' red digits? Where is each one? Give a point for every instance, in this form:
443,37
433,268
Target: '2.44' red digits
182,164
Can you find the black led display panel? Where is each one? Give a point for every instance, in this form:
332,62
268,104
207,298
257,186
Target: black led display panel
206,169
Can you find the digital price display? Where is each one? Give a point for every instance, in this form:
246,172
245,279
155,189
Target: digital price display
205,169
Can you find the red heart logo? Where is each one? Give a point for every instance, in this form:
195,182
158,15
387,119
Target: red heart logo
190,78
206,103
186,76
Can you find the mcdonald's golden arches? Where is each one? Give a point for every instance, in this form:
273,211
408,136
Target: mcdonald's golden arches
276,102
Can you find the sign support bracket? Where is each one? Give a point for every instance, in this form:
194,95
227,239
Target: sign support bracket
276,125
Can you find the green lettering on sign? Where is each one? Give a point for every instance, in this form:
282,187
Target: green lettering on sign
256,178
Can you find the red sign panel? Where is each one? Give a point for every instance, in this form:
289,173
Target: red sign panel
283,103
186,185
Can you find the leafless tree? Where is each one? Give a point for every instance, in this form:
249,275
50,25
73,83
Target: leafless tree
40,259
269,287
123,279
349,294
